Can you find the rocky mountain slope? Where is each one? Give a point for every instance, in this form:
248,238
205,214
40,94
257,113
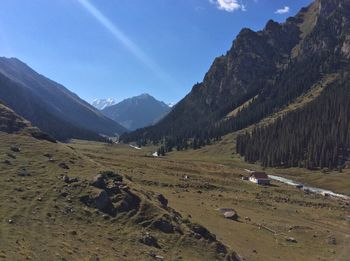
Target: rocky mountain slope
137,112
260,75
50,106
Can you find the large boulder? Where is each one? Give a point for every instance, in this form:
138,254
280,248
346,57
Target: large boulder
231,215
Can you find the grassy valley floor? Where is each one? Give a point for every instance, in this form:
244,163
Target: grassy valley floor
43,218
197,183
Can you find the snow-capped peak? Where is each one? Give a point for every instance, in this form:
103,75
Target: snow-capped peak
171,104
103,103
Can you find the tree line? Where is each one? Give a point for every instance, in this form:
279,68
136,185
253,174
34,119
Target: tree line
316,136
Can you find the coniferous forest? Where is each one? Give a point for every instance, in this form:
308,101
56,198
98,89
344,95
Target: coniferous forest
316,136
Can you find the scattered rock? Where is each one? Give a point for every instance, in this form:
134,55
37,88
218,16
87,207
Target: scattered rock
10,221
65,178
64,194
202,231
149,240
63,165
331,240
73,232
15,148
164,226
162,200
232,257
94,258
220,248
7,162
69,180
23,173
291,239
155,256
98,181
231,215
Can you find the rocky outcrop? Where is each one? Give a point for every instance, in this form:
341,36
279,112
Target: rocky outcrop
10,122
108,193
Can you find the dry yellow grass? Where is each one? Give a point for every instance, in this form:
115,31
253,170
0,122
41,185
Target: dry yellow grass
42,217
214,181
48,226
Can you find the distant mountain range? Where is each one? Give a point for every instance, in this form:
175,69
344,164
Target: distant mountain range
50,106
101,104
137,112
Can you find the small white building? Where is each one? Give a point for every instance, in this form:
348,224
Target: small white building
259,178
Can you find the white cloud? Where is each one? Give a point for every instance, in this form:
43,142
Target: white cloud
283,10
229,5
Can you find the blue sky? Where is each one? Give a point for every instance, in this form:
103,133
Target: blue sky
122,48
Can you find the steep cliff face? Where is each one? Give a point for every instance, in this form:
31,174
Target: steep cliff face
274,66
246,68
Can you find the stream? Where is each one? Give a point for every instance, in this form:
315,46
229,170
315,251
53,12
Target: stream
323,192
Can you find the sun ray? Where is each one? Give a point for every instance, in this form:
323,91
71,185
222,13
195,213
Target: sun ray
120,36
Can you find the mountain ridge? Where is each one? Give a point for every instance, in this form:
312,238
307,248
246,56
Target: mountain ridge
137,112
49,105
